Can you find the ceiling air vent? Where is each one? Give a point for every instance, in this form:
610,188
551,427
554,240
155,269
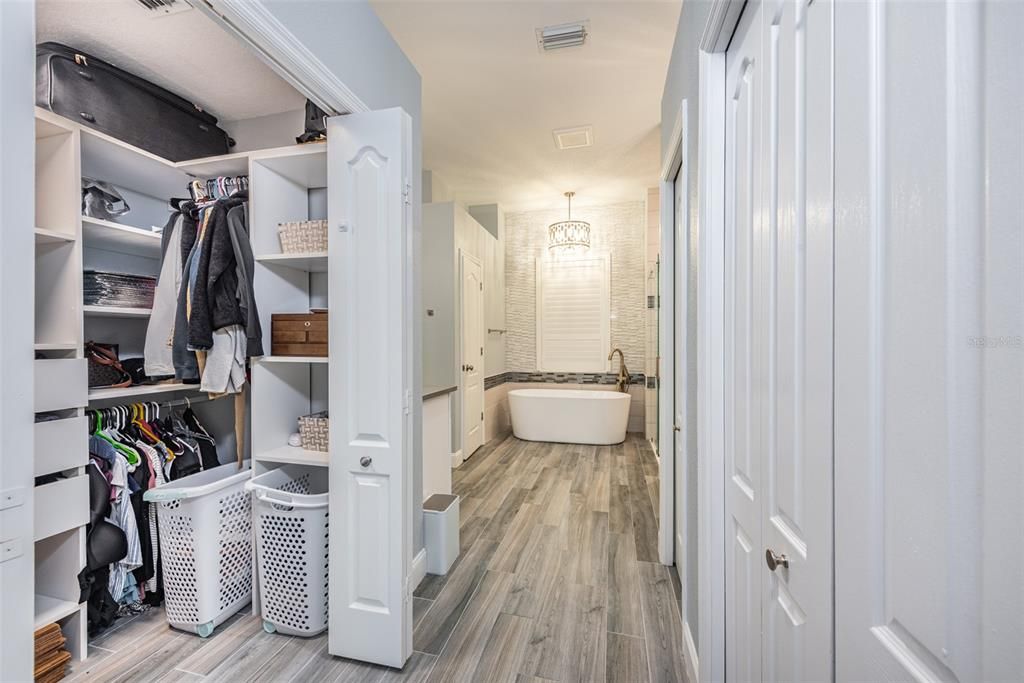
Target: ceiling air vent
162,7
562,35
574,138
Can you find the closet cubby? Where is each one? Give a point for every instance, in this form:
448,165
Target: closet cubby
285,390
57,589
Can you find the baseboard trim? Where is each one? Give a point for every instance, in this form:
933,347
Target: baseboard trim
457,458
419,568
690,654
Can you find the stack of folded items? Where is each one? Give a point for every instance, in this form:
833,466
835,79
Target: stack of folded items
118,289
51,657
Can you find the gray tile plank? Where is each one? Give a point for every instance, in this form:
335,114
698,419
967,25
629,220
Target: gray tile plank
620,519
290,658
627,659
416,670
221,645
645,526
505,513
439,622
569,639
589,556
663,629
461,655
245,662
624,611
541,566
509,555
505,649
419,608
558,506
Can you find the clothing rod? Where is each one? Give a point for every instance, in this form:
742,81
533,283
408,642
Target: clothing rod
202,398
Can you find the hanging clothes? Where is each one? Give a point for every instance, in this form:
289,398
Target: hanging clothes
159,352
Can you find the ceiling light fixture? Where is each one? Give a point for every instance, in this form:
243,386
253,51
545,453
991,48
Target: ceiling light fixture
569,235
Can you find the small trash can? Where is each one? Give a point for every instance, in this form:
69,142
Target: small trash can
441,532
205,523
290,514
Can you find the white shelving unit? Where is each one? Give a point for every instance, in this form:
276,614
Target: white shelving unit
61,506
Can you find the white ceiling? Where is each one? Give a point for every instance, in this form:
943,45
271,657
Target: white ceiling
491,100
186,53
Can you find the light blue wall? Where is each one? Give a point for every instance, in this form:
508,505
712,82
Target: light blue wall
349,38
682,82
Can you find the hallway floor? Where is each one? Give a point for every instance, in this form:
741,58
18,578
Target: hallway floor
558,580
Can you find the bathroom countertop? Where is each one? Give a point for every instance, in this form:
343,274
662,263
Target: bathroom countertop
430,392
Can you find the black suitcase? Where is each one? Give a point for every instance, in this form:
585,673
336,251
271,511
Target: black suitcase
102,96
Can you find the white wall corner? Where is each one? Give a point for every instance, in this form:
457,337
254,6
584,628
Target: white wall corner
419,570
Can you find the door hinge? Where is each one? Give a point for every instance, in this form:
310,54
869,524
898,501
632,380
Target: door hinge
481,286
407,192
407,401
481,350
481,416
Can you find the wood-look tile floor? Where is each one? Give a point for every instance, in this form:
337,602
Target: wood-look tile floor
558,580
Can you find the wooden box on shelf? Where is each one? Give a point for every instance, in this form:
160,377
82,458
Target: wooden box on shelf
299,334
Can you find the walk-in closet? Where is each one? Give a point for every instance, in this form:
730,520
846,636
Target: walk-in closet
158,364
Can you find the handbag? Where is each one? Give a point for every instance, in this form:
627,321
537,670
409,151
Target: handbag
102,200
105,370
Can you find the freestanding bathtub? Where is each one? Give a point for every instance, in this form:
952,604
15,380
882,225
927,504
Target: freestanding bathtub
569,415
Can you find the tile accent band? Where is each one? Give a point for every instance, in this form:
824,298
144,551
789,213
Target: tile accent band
602,378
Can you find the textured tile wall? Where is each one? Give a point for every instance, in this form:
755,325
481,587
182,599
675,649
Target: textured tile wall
617,229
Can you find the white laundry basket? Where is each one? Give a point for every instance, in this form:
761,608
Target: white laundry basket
290,514
205,523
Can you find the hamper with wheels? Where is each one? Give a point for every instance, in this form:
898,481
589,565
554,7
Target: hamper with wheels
205,525
290,514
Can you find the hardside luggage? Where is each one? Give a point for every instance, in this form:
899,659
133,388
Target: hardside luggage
83,88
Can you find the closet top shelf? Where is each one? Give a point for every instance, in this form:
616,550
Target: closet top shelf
124,239
132,168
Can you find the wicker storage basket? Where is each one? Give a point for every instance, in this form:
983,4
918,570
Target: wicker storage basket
313,430
303,237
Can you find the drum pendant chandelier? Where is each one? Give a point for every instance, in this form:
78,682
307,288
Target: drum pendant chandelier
569,235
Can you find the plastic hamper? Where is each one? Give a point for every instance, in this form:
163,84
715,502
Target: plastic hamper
205,524
290,514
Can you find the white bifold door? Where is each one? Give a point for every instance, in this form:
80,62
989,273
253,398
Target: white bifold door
929,341
778,326
370,298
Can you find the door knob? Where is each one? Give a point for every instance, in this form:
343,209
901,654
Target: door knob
676,428
365,461
775,561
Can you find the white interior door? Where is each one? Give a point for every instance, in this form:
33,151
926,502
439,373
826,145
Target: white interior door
369,182
744,556
929,341
472,353
796,472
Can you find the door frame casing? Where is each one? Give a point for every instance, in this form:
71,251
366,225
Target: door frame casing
670,167
711,136
671,402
